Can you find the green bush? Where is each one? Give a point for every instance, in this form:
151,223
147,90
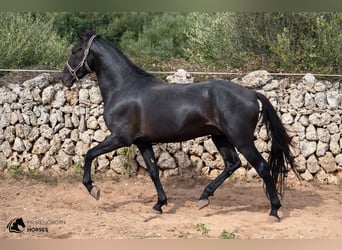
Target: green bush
28,40
111,25
300,41
164,37
212,40
284,41
275,41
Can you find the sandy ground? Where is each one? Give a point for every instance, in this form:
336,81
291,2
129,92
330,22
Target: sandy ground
124,211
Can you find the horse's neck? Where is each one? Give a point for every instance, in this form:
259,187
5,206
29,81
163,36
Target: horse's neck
114,80
116,73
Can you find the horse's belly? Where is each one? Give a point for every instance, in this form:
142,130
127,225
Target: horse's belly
169,135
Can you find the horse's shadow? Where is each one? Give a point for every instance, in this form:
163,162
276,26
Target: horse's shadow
229,198
238,197
112,207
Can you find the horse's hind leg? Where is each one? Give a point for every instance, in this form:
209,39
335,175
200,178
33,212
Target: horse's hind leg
252,155
150,161
231,162
109,144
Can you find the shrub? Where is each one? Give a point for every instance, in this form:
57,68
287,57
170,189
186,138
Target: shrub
27,40
302,41
112,25
275,41
212,39
164,37
284,41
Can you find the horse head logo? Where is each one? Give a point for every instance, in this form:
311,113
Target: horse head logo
13,225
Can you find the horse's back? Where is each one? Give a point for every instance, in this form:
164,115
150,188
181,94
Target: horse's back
231,98
178,112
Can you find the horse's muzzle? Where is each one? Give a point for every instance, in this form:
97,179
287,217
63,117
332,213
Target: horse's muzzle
67,79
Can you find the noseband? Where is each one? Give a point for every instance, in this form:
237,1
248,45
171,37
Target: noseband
73,71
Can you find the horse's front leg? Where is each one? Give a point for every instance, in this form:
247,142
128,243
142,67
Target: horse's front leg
150,161
111,143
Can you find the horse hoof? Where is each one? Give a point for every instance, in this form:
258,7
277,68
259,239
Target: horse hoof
157,209
203,203
95,192
273,219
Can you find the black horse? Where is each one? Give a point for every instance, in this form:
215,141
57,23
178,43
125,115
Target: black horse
141,109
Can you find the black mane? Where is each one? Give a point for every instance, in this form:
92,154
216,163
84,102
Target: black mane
129,63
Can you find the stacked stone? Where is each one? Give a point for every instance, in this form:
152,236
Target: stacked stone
314,115
311,111
44,125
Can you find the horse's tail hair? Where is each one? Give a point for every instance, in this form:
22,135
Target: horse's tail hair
280,156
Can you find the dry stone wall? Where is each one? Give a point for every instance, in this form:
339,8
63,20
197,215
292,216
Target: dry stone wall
44,125
311,111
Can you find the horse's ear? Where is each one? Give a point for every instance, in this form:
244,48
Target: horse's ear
84,35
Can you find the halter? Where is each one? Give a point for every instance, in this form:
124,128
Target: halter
73,71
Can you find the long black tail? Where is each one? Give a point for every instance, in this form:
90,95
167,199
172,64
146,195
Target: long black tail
280,156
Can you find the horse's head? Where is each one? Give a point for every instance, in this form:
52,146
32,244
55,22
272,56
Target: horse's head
13,225
80,62
20,222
